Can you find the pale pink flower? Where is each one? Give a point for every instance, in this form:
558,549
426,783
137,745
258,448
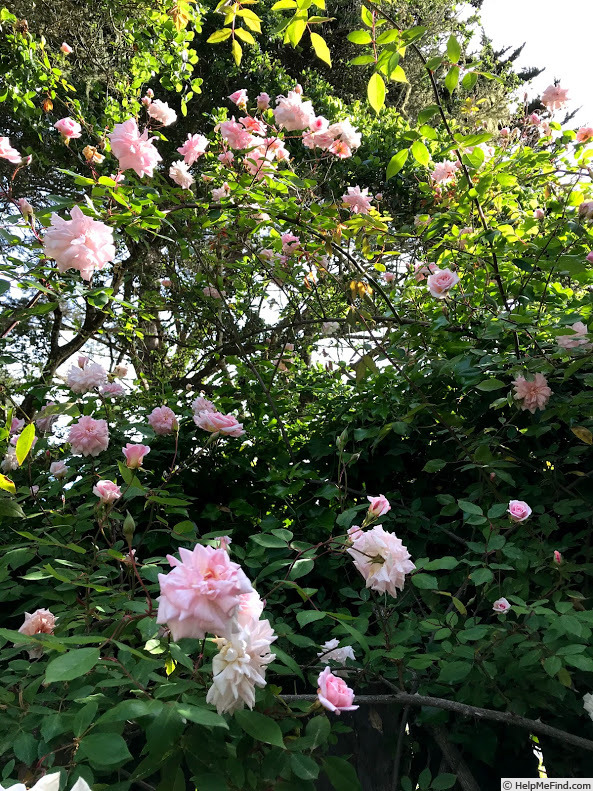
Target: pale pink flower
201,593
209,291
146,101
389,277
331,652
354,532
217,423
441,281
221,192
120,371
179,173
239,98
150,93
44,422
518,510
88,437
107,491
135,455
421,271
134,150
505,132
162,113
236,135
66,49
340,149
584,134
290,243
82,360
534,393
166,283
68,128
357,200
162,420
117,177
226,158
112,390
589,257
575,340
347,133
263,101
39,622
82,380
586,210
382,560
250,608
58,469
10,461
554,97
379,506
534,119
444,172
298,89
16,425
292,113
330,327
80,243
8,152
193,148
319,134
334,693
34,491
202,405
557,557
240,666
539,214
253,124
501,606
545,129
224,542
25,208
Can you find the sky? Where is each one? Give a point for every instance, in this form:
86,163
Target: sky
557,36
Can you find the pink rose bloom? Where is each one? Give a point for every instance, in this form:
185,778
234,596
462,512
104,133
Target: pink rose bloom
66,49
346,133
441,282
150,93
557,557
505,132
354,532
80,243
40,622
135,455
253,125
226,158
221,192
382,560
193,148
34,491
357,200
340,149
179,173
162,420
389,277
212,292
82,380
379,506
334,693
292,113
319,135
112,390
201,593
68,128
576,340
217,423
263,101
25,207
58,469
585,133
44,422
554,97
586,210
444,172
518,510
8,152
534,393
16,425
239,98
162,113
250,608
421,271
534,119
146,101
539,214
589,257
202,405
88,437
236,135
107,491
501,606
290,243
134,150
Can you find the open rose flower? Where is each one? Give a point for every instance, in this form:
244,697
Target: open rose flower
357,200
8,152
80,243
88,437
217,423
334,693
162,113
501,606
135,455
107,491
382,559
444,172
578,338
534,393
518,510
163,420
292,113
193,148
179,173
134,151
58,469
555,97
68,128
39,622
239,98
441,281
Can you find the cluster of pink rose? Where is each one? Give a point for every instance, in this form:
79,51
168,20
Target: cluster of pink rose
86,377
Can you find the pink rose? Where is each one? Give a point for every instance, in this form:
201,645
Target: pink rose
539,214
382,559
58,469
135,455
263,101
87,378
226,158
88,437
501,606
39,622
201,404
555,97
292,113
389,277
193,148
202,593
66,49
120,371
16,425
239,98
444,172
534,119
357,200
578,338
354,532
179,173
584,134
68,128
221,192
8,152
334,693
250,608
340,149
80,243
217,423
162,113
378,506
107,491
519,511
589,257
557,557
441,282
112,390
134,150
162,420
534,393
236,135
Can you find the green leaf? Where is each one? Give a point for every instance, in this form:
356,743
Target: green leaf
260,727
7,484
397,162
581,662
201,716
470,508
304,766
131,710
237,51
469,80
308,616
427,113
24,442
360,37
453,672
281,5
452,79
376,92
448,562
453,50
420,153
266,540
434,465
490,384
425,581
244,35
103,749
318,730
443,781
72,664
481,576
341,774
321,48
552,665
301,567
497,510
